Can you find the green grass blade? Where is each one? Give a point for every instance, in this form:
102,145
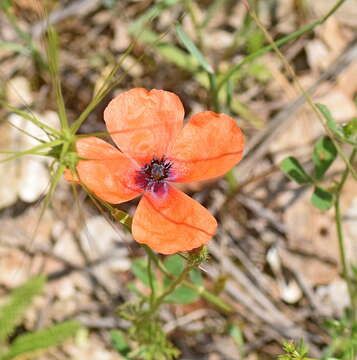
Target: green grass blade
150,15
33,150
53,63
214,7
194,51
26,132
27,116
168,51
102,92
14,47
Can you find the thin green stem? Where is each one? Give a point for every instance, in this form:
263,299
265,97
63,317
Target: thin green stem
340,237
151,282
31,118
33,150
214,92
174,284
199,289
342,252
105,88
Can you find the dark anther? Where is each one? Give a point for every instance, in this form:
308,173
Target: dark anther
152,176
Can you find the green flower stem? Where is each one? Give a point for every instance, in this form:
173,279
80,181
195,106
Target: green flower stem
151,282
212,298
340,237
214,92
174,284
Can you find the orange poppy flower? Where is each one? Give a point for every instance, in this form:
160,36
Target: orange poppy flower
154,151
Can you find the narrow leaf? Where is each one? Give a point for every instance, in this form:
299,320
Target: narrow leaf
14,47
194,51
294,170
330,122
53,63
27,116
32,151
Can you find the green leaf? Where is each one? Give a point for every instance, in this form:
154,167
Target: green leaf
294,170
346,133
196,277
119,342
322,199
42,340
323,156
194,51
182,294
168,51
12,311
350,129
177,56
327,115
174,264
134,289
139,269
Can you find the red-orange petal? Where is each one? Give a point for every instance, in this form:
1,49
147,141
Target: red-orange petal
209,145
143,123
105,171
172,223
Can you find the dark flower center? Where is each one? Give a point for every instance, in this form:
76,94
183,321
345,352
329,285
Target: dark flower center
152,176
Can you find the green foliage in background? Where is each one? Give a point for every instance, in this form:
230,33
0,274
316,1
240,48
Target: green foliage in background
30,344
343,332
294,352
145,338
323,156
343,345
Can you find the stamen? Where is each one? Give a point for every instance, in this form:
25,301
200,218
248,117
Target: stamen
153,176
